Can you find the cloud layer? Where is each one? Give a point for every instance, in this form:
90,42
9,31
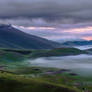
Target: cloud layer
49,18
61,11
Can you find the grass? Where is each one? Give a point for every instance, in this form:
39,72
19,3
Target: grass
38,73
15,83
20,80
57,52
11,56
22,74
15,54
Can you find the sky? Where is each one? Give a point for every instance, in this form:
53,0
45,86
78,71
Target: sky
51,19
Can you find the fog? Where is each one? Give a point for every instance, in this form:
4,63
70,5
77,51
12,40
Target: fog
80,64
84,47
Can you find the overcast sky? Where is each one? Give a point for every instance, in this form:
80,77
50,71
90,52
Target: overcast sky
53,19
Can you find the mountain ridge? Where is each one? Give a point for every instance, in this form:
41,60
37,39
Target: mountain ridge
11,37
78,43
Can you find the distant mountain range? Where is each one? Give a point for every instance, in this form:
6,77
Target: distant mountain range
11,37
77,43
63,40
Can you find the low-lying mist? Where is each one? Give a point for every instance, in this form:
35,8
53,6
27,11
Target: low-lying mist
84,47
80,64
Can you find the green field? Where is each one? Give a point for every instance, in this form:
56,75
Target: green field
17,76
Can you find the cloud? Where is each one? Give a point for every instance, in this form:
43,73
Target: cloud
49,18
66,32
59,11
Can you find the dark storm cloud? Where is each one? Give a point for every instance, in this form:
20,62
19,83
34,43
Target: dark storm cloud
59,11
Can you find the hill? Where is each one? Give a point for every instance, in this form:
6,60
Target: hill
11,37
57,52
11,56
20,55
15,83
77,43
89,51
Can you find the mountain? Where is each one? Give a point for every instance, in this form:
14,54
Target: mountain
63,40
11,37
77,43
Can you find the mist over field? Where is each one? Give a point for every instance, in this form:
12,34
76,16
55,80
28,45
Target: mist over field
84,47
81,64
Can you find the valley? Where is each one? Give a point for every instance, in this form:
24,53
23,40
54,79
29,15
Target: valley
30,63
68,67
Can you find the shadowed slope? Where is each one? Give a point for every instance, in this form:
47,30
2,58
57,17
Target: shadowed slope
11,37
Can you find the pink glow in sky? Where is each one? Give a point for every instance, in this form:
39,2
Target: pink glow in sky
87,38
60,33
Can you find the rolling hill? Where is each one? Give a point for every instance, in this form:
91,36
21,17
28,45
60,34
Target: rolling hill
11,37
57,52
15,83
20,55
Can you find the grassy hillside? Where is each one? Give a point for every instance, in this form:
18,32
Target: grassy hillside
15,83
89,51
11,56
19,55
57,52
17,77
